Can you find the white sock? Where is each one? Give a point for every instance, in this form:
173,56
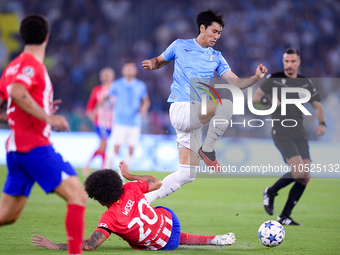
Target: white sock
173,182
120,175
218,124
109,160
128,160
152,196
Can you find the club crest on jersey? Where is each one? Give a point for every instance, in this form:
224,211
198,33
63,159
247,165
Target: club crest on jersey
28,71
211,56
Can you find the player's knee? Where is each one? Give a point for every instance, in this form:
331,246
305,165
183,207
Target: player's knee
10,219
227,108
75,193
304,181
302,177
82,197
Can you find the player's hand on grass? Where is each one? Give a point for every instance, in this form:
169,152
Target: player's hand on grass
261,70
44,242
58,122
124,169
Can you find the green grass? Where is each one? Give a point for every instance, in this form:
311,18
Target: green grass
206,206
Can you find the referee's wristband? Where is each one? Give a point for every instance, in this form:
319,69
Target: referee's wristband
322,123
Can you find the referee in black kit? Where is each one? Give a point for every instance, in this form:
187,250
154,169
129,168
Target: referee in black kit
292,142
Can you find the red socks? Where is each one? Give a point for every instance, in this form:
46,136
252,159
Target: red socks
100,153
189,239
75,228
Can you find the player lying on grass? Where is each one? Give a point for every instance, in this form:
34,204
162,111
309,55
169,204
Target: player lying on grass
132,218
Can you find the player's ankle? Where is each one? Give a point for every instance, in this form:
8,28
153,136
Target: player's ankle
207,148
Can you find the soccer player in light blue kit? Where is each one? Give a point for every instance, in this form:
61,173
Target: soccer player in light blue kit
195,59
131,102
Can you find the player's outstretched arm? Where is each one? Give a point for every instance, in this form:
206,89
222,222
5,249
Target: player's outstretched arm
89,244
25,102
243,83
154,63
154,183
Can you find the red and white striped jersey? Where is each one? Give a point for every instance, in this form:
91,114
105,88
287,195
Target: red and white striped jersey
103,116
136,221
28,132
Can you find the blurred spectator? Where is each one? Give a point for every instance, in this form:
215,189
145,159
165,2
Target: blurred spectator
90,34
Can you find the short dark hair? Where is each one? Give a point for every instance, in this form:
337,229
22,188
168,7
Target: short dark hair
34,29
292,51
206,18
129,62
105,186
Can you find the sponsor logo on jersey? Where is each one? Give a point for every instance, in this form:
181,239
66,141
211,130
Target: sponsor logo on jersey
12,70
128,207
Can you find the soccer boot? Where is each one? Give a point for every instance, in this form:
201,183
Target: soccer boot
226,239
287,221
268,201
210,159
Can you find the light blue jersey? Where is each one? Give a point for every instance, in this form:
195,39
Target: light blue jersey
194,62
129,97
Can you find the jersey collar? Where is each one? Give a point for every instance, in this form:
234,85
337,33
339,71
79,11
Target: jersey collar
200,46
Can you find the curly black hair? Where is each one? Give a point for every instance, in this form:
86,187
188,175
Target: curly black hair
105,186
34,29
206,18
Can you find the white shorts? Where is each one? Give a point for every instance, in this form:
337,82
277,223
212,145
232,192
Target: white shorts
184,118
126,135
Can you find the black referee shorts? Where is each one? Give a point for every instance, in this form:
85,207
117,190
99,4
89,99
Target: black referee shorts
292,146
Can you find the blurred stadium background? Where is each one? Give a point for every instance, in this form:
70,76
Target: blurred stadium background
87,35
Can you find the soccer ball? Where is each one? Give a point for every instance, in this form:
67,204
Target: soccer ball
271,233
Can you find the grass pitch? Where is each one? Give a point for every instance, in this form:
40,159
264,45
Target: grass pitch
206,206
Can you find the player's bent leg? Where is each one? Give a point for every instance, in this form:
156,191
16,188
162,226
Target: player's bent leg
270,192
102,145
302,177
206,117
116,148
73,192
11,208
186,173
111,157
128,159
217,126
218,240
171,183
300,169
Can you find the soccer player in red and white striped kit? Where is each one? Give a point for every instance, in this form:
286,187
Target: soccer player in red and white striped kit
131,217
27,88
